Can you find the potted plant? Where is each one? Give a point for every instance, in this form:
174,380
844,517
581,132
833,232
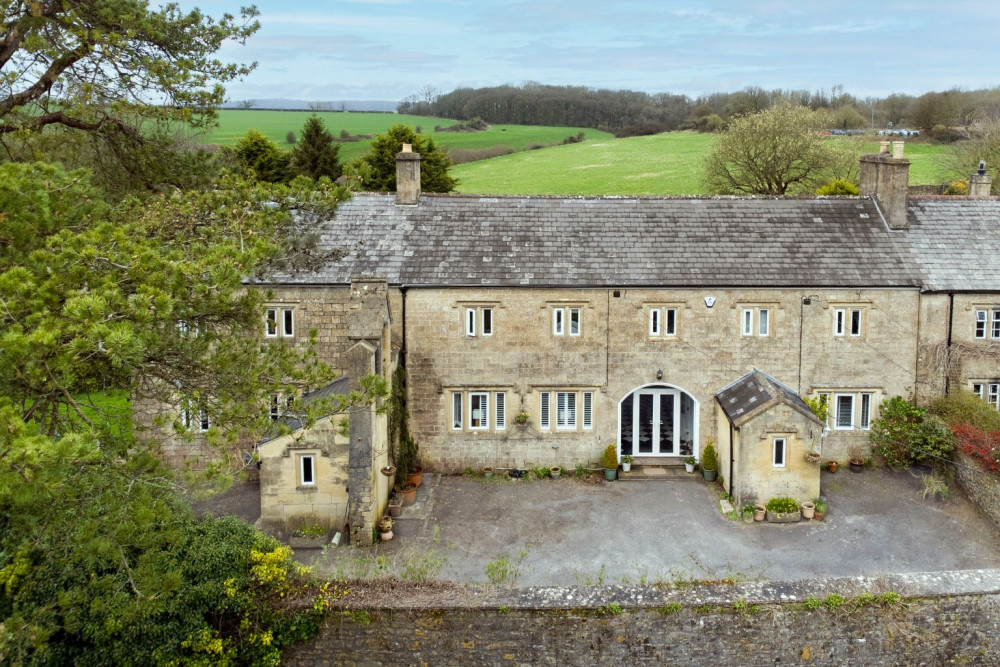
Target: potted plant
832,466
812,457
407,492
857,462
416,475
627,463
748,512
554,472
395,506
521,418
689,464
783,510
709,462
610,462
759,511
820,504
808,510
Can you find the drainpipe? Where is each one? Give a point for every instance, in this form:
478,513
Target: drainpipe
402,346
732,456
951,324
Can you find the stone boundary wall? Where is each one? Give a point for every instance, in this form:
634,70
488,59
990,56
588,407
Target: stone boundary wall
944,617
981,488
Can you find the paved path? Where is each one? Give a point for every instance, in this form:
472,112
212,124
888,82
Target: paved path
574,532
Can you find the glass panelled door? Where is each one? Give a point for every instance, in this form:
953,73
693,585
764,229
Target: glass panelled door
653,430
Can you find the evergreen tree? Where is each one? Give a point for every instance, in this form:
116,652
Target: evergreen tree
260,157
376,170
316,154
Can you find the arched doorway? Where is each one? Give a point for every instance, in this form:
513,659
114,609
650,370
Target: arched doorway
658,420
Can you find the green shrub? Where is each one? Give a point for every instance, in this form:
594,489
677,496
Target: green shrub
956,188
840,186
709,459
964,407
611,457
812,603
782,505
904,434
834,601
820,406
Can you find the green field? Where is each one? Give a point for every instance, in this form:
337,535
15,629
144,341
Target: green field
662,164
234,123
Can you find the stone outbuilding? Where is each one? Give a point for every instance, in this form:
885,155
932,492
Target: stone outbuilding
770,442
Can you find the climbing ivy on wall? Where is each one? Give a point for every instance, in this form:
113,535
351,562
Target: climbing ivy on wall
404,447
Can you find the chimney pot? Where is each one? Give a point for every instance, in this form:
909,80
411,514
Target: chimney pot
980,183
407,176
883,147
886,177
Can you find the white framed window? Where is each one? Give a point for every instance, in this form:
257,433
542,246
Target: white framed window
847,321
271,322
588,409
989,392
987,323
779,452
307,470
479,411
565,409
763,322
558,321
662,321
865,423
193,417
479,321
543,409
279,321
574,321
843,411
456,411
500,420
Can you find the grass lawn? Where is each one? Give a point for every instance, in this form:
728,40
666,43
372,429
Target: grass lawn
110,408
234,123
662,164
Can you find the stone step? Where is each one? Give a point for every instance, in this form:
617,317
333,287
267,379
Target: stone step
652,473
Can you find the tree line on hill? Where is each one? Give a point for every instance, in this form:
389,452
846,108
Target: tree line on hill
944,114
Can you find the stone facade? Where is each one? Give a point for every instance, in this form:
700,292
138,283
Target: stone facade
286,503
615,353
753,475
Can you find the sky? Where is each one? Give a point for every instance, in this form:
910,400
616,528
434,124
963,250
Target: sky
390,49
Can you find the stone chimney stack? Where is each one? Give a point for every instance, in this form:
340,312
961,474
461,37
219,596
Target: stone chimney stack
407,176
887,177
980,182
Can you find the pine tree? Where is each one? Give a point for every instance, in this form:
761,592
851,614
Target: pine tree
316,154
377,169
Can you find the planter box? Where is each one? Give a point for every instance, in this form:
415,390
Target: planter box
784,517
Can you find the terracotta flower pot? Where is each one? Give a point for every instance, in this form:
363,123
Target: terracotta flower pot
832,466
408,493
759,511
416,476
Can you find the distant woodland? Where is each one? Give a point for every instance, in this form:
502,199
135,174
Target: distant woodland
946,115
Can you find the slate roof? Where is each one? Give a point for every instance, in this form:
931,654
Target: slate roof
754,393
340,386
956,242
466,240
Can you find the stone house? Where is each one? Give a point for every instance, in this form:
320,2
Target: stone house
619,319
766,436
